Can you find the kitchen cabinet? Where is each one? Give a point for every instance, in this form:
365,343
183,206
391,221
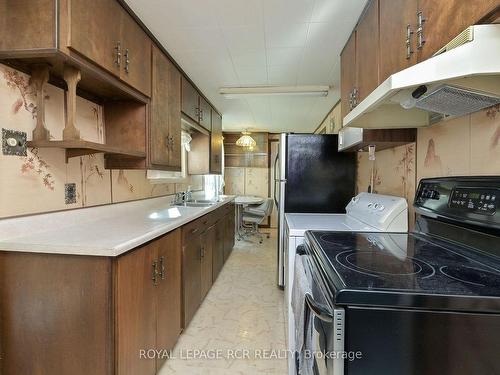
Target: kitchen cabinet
348,74
102,31
216,141
397,36
148,303
169,320
204,255
136,313
218,249
230,225
367,53
190,100
441,21
135,64
207,249
205,114
165,125
96,32
109,308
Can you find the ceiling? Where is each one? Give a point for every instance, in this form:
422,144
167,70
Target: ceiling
257,42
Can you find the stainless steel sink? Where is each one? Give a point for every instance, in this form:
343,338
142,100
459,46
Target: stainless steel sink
196,204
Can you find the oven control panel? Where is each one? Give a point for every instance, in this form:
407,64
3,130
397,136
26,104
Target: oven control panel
474,200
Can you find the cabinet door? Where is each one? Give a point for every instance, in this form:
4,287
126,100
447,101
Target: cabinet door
446,19
367,52
191,274
347,73
396,18
229,221
205,114
174,116
207,248
159,123
95,31
169,292
135,66
218,250
216,144
136,310
165,124
190,103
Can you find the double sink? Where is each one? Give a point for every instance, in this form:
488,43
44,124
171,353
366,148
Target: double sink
197,203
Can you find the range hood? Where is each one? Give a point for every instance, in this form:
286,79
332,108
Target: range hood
461,78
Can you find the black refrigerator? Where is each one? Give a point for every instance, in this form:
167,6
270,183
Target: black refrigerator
310,176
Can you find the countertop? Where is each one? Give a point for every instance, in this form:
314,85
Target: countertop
109,230
298,224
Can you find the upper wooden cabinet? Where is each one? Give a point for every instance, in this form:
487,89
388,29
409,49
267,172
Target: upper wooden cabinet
441,21
397,36
195,106
105,33
190,100
96,32
165,125
205,112
135,64
393,35
216,141
348,74
367,53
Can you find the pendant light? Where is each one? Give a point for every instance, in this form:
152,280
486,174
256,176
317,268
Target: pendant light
245,140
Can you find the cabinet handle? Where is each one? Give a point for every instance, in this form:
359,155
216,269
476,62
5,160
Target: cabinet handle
127,60
171,140
154,273
197,113
202,252
201,115
167,142
353,102
420,30
162,268
409,33
118,54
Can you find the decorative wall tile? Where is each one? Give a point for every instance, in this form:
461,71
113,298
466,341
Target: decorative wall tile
444,149
257,182
485,142
234,179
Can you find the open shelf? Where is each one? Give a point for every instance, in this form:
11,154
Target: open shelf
81,147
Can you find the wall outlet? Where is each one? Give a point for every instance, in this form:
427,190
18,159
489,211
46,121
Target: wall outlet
70,193
14,142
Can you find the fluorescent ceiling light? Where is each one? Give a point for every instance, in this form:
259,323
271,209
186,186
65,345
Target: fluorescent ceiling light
238,92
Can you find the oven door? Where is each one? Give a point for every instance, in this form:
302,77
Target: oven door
326,340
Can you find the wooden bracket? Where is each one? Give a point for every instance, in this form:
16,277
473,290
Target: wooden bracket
39,78
72,76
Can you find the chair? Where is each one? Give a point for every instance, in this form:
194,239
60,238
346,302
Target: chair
253,216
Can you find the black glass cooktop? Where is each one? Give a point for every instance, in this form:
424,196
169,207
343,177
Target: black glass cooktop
405,262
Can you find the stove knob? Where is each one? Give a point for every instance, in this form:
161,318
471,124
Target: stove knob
381,207
355,199
375,206
370,205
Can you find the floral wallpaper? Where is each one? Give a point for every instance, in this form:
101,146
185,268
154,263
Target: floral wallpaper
469,145
36,183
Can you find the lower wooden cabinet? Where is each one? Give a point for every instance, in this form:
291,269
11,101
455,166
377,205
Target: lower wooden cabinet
206,244
148,303
80,315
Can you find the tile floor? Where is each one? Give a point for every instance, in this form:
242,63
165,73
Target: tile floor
243,311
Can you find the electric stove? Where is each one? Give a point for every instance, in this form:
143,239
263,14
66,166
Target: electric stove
424,302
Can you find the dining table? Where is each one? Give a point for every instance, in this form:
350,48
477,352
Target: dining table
243,201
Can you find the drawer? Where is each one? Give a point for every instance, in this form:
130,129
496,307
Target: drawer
195,228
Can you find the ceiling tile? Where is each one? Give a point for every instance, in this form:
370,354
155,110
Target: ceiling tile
250,76
285,75
286,34
249,58
283,56
245,37
238,13
333,11
291,11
